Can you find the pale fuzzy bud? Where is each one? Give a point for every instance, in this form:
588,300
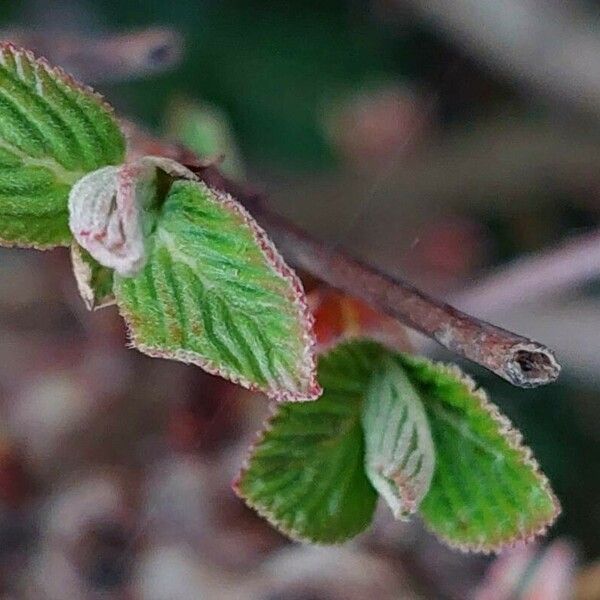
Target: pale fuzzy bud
106,211
105,219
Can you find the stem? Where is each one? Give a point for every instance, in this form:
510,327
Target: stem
522,362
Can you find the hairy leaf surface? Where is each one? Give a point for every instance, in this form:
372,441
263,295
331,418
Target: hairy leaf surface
94,282
52,131
216,293
400,456
112,210
306,473
487,491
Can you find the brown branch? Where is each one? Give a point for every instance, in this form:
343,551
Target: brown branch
520,361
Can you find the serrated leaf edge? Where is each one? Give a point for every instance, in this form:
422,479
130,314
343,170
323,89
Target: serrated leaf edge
514,438
67,78
275,261
18,243
264,512
58,72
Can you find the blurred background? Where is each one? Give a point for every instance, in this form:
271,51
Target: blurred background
454,143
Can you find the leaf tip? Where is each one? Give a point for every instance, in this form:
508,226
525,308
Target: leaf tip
308,388
56,71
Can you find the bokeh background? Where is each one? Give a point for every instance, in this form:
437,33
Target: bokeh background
441,141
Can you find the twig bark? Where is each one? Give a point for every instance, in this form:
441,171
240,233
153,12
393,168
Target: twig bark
522,362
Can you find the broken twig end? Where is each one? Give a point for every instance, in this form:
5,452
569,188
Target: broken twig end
530,365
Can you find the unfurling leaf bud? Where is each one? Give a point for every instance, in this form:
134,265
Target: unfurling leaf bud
109,208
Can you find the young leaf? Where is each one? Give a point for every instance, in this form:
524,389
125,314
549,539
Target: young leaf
111,211
487,491
306,472
400,456
94,281
216,293
52,131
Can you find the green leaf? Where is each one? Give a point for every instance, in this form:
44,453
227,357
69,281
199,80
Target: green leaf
487,491
53,130
216,293
306,472
94,282
400,456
